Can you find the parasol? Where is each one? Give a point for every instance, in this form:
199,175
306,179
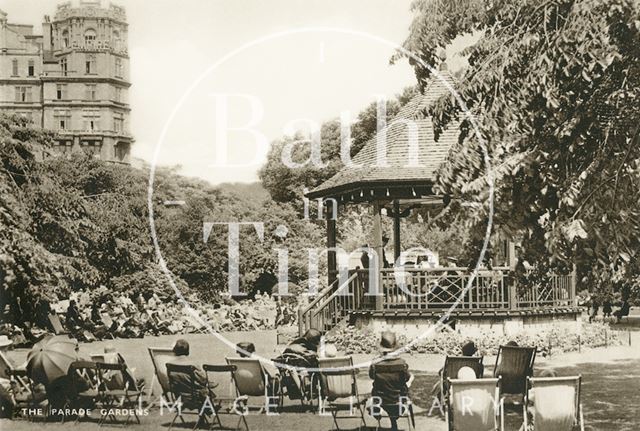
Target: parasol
50,358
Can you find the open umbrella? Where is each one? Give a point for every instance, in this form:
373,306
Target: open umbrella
50,358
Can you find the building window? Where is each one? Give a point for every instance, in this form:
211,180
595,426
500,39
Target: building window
91,92
118,123
63,66
65,39
118,95
91,148
64,147
31,71
120,151
89,38
62,120
14,67
118,67
61,91
23,94
116,40
91,120
90,64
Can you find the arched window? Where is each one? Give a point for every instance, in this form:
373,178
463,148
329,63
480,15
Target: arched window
89,38
65,39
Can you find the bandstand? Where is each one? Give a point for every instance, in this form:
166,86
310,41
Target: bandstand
394,176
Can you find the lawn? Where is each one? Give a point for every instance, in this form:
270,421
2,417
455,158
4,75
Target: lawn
611,388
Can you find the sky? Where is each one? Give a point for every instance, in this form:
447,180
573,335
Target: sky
237,74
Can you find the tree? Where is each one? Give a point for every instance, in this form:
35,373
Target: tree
554,87
285,184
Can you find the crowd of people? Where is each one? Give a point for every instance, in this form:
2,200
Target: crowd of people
103,314
607,304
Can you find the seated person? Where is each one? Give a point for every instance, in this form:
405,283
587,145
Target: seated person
72,316
116,379
390,387
245,349
306,347
183,382
467,349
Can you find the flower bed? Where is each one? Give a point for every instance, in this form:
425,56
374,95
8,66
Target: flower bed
350,340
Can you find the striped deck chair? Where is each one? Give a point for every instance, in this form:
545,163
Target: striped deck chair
474,405
338,389
453,364
514,364
251,380
556,404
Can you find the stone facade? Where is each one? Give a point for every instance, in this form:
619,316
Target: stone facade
73,79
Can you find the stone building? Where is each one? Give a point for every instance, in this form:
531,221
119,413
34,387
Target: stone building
73,79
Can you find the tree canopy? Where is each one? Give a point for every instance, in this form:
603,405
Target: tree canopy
79,223
554,87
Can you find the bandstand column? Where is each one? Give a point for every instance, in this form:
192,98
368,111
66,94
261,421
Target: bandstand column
331,244
396,230
377,246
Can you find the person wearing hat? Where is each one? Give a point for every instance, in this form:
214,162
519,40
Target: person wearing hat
390,386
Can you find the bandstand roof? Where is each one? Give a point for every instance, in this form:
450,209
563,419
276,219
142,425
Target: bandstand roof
401,178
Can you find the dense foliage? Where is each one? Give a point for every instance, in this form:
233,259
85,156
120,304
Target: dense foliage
76,224
286,184
554,87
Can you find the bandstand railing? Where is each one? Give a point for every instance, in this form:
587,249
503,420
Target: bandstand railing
432,289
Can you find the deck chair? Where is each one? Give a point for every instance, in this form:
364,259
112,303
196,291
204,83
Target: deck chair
338,389
381,367
120,393
251,380
159,358
58,329
189,393
292,384
84,384
25,395
556,403
108,323
474,405
222,404
453,364
6,366
514,365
